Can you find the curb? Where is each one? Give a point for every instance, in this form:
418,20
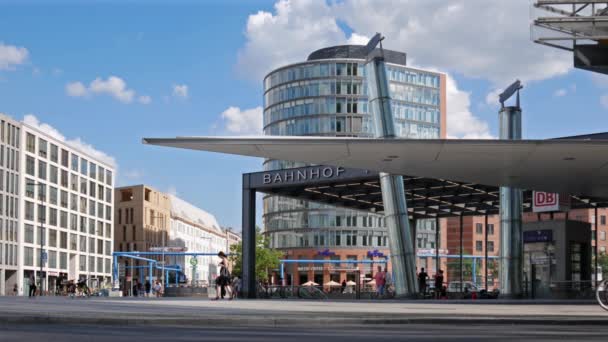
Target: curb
235,321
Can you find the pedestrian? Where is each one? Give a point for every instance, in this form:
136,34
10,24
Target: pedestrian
224,278
380,279
32,283
236,286
15,289
140,289
422,277
158,289
148,288
438,284
343,288
135,289
388,279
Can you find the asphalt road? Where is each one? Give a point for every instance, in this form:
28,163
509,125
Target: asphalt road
413,332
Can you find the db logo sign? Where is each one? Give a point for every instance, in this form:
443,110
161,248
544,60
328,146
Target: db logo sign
549,201
545,199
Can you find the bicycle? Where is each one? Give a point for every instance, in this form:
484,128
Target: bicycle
601,294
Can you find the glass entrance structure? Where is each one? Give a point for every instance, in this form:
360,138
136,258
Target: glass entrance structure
327,96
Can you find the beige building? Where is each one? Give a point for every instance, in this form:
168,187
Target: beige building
141,221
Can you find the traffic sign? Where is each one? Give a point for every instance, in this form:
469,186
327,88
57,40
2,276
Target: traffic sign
193,261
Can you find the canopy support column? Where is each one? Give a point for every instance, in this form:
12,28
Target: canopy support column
248,243
401,244
511,243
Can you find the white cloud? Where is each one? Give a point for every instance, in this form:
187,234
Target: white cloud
492,97
357,39
144,99
461,123
76,89
560,92
113,86
290,34
11,55
180,90
77,143
475,38
243,122
604,101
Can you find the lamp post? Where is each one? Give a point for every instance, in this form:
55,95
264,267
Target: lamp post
163,233
41,236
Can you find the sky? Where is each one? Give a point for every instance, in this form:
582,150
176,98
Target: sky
107,73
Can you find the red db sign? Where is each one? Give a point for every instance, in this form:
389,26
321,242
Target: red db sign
549,201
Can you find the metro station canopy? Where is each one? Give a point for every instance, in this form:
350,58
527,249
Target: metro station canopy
360,189
441,177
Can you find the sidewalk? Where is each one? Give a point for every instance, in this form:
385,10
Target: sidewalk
264,313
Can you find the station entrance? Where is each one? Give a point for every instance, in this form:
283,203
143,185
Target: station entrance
461,219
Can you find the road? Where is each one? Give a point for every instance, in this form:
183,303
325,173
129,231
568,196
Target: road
412,332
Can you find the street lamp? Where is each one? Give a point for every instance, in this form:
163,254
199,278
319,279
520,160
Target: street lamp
163,233
41,236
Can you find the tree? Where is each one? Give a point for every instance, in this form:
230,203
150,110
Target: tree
266,258
602,261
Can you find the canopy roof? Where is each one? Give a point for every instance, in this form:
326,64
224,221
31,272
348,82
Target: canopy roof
577,167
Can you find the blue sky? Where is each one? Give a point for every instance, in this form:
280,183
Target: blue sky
193,61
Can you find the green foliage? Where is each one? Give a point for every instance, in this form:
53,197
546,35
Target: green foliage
266,258
602,261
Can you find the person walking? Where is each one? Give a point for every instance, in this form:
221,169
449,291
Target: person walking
438,284
343,286
15,289
148,287
32,283
380,279
422,277
388,280
135,289
224,278
158,289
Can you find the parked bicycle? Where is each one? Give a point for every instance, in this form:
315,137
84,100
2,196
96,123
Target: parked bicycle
601,294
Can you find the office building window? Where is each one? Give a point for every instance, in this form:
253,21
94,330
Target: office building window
479,228
30,166
490,229
74,162
490,246
479,246
30,143
42,148
603,219
41,170
54,153
603,235
64,158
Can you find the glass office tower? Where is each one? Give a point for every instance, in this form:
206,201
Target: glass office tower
327,96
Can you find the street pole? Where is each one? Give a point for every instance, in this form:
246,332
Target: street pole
41,222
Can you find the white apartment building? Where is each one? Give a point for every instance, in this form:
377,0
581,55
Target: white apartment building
198,231
56,207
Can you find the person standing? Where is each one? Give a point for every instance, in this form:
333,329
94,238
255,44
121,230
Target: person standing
224,278
15,289
135,288
148,287
422,277
380,279
388,279
32,283
343,286
438,284
158,289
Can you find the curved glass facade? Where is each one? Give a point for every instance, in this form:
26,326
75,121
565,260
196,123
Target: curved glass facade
329,98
